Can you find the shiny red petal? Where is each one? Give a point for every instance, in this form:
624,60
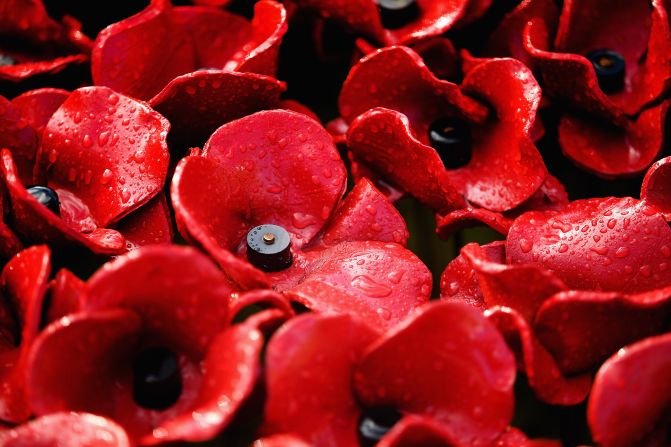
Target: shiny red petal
415,430
656,187
609,150
39,225
37,106
180,294
19,137
523,287
631,394
65,292
582,328
262,297
366,215
269,25
298,192
541,369
280,441
231,368
197,103
383,139
596,244
309,366
166,52
149,225
380,282
107,149
74,361
19,72
443,348
468,217
59,429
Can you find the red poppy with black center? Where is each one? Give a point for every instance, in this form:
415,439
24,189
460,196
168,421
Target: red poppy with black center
443,376
94,179
569,288
390,22
473,140
150,349
32,43
166,42
270,213
608,64
631,397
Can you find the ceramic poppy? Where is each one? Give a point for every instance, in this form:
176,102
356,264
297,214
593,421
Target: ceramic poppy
280,168
569,288
102,163
334,380
33,43
81,429
630,397
179,40
474,139
610,69
398,22
150,348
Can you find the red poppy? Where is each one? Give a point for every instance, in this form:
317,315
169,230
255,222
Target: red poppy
609,63
23,285
281,168
629,404
393,114
444,376
174,41
150,348
569,288
411,22
56,429
96,188
33,43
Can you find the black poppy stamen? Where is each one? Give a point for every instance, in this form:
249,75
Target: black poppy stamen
47,197
451,138
157,381
6,60
395,14
375,423
610,69
269,248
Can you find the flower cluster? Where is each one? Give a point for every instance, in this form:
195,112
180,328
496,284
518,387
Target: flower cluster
215,219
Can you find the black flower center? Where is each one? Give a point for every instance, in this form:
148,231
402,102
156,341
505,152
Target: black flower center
157,382
269,248
610,68
375,423
395,14
47,197
6,60
451,138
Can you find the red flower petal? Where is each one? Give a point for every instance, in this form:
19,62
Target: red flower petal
24,284
107,149
65,292
309,366
230,370
621,244
20,137
268,27
280,441
542,372
366,215
610,150
382,283
149,225
582,328
167,52
37,106
37,224
459,281
444,347
56,429
656,187
180,294
415,430
263,297
631,395
197,103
